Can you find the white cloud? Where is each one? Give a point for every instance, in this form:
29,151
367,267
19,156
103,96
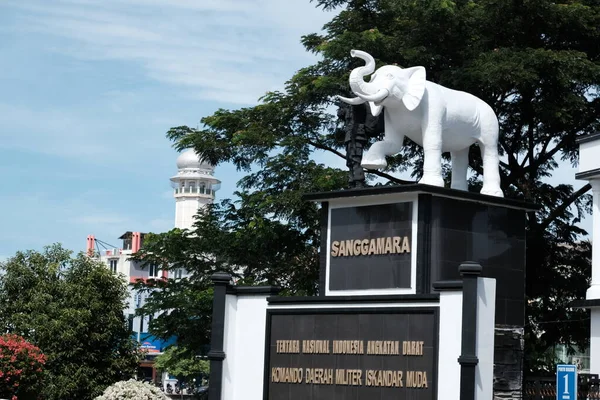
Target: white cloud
226,51
95,84
48,218
100,219
64,133
167,194
120,221
159,225
191,55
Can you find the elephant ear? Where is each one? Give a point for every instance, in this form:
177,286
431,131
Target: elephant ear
415,88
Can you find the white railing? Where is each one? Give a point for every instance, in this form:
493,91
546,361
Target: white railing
195,190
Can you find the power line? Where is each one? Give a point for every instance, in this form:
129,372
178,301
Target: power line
558,321
105,245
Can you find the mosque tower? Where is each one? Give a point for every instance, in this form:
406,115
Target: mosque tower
194,187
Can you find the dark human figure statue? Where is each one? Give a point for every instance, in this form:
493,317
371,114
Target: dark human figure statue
359,126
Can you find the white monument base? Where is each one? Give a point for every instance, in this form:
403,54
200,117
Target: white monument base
247,329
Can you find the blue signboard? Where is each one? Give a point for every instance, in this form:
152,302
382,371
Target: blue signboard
566,382
151,344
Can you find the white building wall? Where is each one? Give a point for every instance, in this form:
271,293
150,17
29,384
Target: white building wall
588,155
230,346
131,269
243,367
486,320
595,341
186,210
449,345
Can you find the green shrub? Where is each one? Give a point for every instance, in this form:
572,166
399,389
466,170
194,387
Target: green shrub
21,366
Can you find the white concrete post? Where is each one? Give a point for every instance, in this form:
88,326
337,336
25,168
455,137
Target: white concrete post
594,340
594,290
589,170
486,324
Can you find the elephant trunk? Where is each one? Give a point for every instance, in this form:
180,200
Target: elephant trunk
357,82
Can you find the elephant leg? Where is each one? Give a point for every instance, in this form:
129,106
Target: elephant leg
390,145
491,171
460,165
375,156
432,162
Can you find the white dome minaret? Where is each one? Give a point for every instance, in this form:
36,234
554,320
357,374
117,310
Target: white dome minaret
194,187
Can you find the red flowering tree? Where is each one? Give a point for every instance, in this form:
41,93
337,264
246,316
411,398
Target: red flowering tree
21,366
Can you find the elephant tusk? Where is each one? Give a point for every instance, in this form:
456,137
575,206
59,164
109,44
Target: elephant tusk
354,101
377,97
375,109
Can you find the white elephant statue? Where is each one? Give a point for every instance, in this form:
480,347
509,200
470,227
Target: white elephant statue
437,118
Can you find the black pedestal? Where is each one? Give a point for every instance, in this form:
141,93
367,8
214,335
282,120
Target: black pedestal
444,228
411,239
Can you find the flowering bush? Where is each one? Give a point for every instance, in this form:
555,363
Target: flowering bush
132,389
20,368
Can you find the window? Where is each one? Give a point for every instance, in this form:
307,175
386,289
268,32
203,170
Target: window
141,323
153,271
113,263
580,357
178,273
130,321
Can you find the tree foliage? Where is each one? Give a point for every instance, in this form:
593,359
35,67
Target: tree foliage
536,62
72,309
251,246
182,364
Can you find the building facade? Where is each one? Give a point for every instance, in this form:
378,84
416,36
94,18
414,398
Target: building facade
194,187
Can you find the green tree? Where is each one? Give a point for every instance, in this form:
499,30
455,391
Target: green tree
182,364
240,240
536,62
72,309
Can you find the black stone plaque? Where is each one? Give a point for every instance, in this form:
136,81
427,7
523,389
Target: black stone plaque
339,354
370,247
492,236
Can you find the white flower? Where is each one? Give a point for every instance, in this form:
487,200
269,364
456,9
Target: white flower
132,389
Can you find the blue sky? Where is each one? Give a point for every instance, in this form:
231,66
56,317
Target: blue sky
88,89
